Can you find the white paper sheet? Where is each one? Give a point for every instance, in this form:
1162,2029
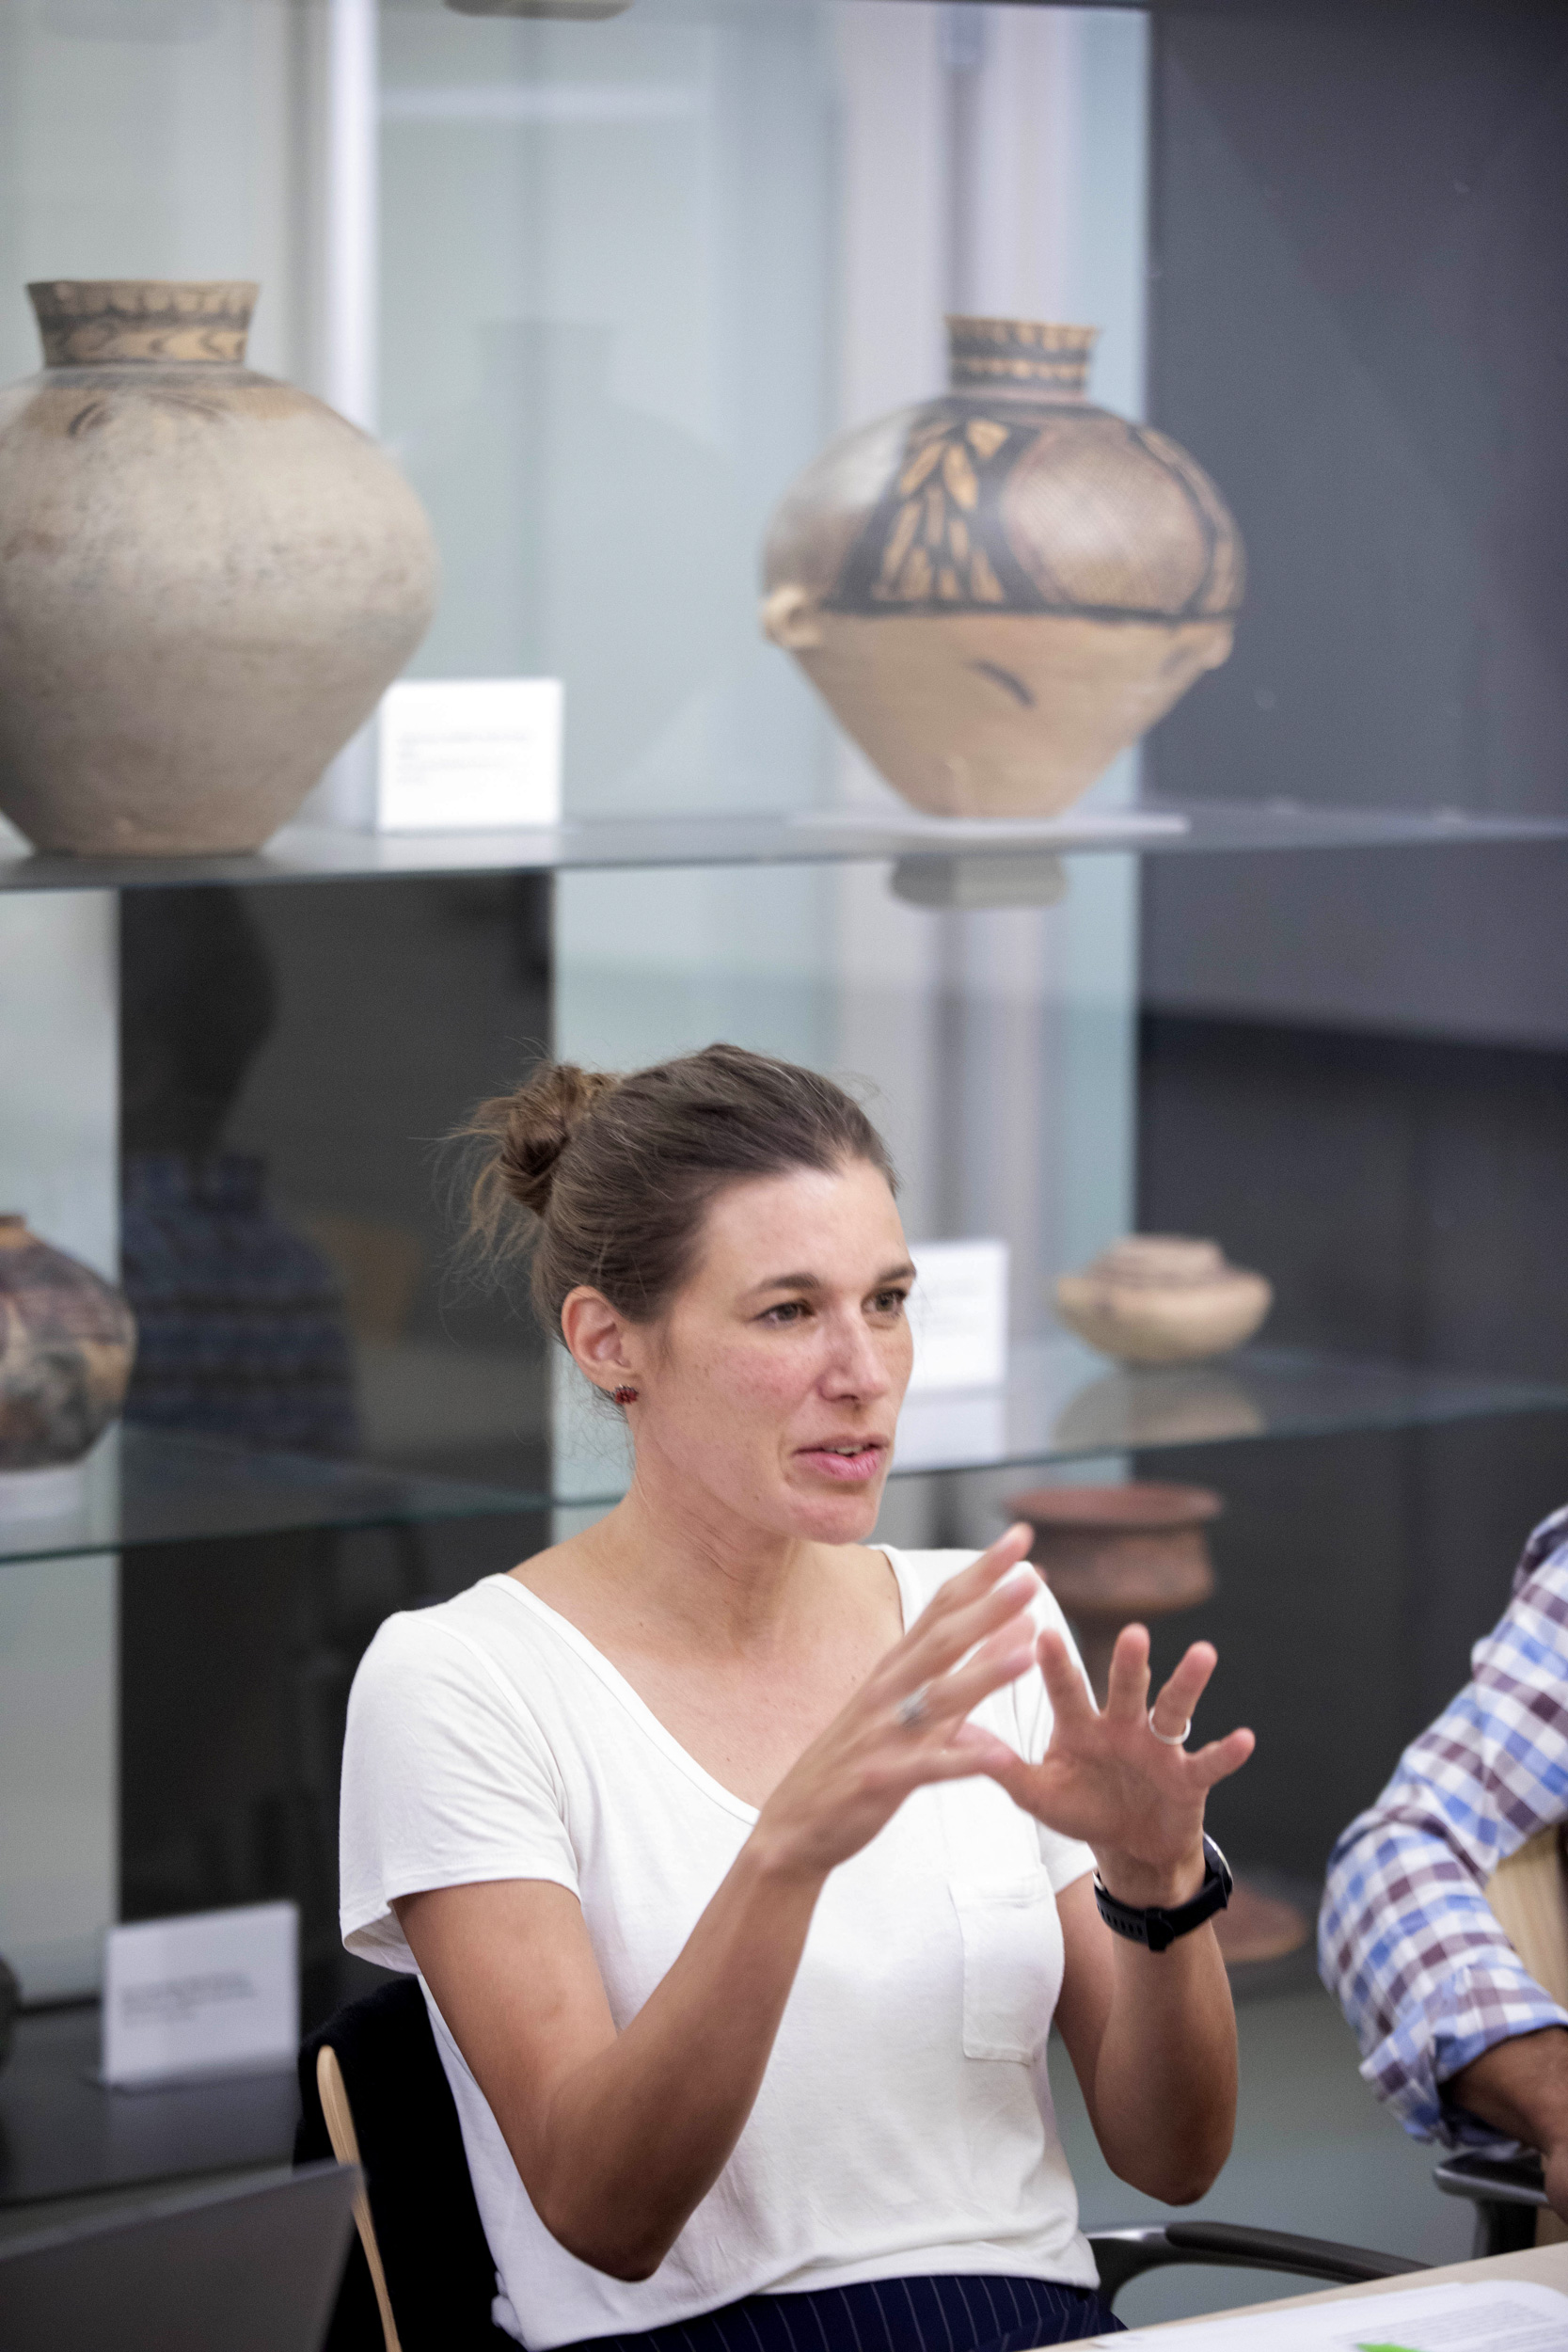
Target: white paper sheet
465,754
958,1315
1502,2315
216,1991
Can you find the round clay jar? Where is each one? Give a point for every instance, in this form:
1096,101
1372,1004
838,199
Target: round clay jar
210,577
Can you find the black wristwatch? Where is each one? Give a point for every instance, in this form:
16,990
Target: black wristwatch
1157,1927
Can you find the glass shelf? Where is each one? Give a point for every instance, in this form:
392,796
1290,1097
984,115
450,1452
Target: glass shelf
808,837
152,1487
1065,1404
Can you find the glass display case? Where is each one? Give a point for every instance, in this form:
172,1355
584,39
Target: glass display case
1288,975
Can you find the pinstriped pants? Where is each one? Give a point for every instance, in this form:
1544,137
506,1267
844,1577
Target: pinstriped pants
952,2314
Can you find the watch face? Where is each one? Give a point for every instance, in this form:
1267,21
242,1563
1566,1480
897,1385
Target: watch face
1218,1863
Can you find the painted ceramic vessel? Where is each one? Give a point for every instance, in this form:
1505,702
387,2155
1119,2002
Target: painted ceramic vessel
1000,590
209,577
67,1344
1157,1298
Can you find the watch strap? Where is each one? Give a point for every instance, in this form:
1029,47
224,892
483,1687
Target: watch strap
1158,1927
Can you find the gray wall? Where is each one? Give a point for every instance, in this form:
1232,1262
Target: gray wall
1352,1067
1358,322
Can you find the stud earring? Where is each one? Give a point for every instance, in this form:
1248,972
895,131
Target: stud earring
625,1397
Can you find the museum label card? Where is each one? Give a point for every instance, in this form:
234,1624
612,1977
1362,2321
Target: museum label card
958,1315
470,755
216,1991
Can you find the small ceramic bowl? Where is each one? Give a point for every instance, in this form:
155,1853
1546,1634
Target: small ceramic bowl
1156,1298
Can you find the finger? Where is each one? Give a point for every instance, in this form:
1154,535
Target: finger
994,1664
1127,1684
969,1751
1072,1700
1178,1701
935,1644
1222,1758
1014,1544
985,1570
983,1575
1009,1770
937,1647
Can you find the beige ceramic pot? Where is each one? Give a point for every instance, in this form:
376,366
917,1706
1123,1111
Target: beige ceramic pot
1158,1299
207,579
997,592
67,1345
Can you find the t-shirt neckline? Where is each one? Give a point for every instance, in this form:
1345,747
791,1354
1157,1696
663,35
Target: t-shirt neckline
636,1706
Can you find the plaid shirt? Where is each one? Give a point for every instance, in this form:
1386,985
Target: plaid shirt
1407,1939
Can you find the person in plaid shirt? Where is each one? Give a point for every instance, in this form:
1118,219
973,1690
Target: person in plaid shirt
1463,2044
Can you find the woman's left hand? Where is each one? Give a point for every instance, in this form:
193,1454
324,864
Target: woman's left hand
1107,1779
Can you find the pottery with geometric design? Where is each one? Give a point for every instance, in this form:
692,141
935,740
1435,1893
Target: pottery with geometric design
67,1344
209,577
998,591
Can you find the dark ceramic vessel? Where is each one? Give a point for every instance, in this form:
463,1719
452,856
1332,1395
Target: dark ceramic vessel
67,1344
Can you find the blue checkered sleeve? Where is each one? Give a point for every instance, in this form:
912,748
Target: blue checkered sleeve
1406,1941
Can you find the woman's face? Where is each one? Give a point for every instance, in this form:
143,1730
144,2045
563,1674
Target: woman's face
774,1382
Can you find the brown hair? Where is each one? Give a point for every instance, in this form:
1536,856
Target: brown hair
614,1175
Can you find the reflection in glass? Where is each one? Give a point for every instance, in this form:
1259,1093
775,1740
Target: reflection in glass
242,1321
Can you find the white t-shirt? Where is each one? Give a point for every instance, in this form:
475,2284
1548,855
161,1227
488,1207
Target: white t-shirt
904,2125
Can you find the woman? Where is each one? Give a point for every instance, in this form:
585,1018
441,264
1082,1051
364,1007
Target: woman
746,1866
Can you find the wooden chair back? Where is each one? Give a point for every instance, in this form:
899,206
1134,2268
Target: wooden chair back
1529,1895
346,2147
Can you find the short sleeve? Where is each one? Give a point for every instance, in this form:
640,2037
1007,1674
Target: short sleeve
1065,1858
448,1781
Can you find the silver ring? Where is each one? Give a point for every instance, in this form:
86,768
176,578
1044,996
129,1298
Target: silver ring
1170,1738
912,1711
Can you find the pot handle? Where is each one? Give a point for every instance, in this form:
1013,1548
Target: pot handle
789,618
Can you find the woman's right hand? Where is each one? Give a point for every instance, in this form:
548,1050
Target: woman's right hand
973,1638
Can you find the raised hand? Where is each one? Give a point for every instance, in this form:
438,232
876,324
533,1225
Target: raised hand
1109,1779
907,1723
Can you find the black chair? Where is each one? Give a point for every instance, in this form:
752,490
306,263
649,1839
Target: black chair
419,2226
1125,2254
1507,2192
374,2093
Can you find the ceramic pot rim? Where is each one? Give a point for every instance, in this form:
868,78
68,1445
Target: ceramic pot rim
1140,1507
86,322
1018,355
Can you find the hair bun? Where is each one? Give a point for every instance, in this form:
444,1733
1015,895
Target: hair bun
622,1211
538,1122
